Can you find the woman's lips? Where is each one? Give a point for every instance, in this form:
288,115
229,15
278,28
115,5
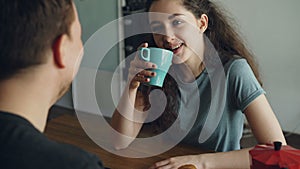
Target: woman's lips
177,49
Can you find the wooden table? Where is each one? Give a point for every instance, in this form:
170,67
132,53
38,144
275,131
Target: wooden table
67,129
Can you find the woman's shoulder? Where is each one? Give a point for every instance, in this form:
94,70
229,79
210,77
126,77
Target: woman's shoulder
237,65
235,62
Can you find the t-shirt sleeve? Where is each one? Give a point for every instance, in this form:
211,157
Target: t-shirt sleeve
243,84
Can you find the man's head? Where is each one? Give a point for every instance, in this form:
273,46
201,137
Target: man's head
28,31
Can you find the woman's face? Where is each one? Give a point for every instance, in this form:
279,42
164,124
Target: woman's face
176,29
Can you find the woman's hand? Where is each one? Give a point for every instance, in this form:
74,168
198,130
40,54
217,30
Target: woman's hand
176,162
137,72
237,159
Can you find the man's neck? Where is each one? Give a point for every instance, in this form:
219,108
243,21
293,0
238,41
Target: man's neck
26,99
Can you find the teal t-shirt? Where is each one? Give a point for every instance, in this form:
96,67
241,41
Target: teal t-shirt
219,122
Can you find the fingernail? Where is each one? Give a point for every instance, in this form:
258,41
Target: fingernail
154,66
152,74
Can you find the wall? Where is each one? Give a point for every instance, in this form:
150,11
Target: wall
94,14
271,28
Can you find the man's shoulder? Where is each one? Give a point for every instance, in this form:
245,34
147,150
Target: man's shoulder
47,154
22,146
70,156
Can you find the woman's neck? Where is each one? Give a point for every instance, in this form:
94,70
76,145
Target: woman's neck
190,70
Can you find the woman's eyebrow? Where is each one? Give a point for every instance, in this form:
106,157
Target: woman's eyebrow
174,15
170,17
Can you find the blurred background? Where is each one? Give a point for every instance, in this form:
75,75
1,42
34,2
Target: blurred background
270,28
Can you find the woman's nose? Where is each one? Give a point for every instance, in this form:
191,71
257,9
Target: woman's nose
169,36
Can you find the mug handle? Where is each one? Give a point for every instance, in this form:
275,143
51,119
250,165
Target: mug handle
145,54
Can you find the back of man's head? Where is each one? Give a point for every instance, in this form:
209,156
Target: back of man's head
28,29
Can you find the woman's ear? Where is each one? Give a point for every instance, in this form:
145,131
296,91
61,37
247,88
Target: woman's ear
58,51
203,23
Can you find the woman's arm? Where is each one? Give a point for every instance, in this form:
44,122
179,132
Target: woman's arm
265,127
263,122
129,115
128,119
238,159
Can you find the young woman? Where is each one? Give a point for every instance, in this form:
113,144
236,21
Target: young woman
196,31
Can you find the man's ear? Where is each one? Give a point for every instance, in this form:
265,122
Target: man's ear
58,51
203,23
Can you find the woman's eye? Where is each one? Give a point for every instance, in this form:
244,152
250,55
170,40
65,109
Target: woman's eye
176,22
157,29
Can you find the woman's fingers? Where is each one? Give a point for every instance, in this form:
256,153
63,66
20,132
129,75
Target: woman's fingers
140,70
138,66
135,71
143,45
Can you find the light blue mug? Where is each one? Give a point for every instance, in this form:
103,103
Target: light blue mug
162,58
